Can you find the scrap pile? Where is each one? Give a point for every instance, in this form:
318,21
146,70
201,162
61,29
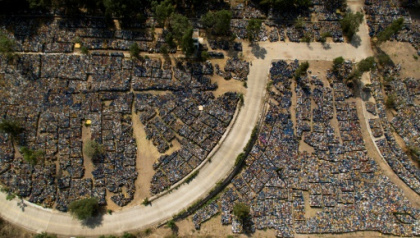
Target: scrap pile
405,124
380,14
198,131
338,178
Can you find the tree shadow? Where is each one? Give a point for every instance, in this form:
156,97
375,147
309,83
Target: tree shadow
308,44
258,51
365,95
22,204
93,222
326,46
96,220
356,41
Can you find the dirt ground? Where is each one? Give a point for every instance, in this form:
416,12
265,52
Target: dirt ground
403,53
8,231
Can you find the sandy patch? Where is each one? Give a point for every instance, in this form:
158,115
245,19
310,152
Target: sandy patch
403,53
147,154
87,162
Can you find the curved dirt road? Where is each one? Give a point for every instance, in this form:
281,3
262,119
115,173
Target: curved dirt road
37,219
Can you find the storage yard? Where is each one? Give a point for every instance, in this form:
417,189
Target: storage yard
153,137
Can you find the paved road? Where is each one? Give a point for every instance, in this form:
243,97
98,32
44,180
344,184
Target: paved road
38,219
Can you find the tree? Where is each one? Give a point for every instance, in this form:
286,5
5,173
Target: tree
241,210
92,149
187,42
169,39
350,23
337,62
392,29
7,46
384,59
84,209
31,156
182,31
390,101
171,225
303,67
253,28
11,127
218,21
134,50
366,64
162,11
179,24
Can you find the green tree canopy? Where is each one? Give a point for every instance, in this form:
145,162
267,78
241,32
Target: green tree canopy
182,31
31,156
366,64
7,46
84,209
337,62
350,23
241,210
392,29
187,43
11,127
162,11
218,22
253,28
92,149
179,24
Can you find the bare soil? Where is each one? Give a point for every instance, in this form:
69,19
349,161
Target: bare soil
225,86
147,154
87,162
403,53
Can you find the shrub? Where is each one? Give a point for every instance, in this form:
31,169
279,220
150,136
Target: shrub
84,50
390,101
366,64
191,177
171,225
384,59
204,55
11,127
134,50
392,29
146,202
241,210
303,67
92,149
253,28
7,46
10,196
350,23
128,235
84,209
31,156
164,49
